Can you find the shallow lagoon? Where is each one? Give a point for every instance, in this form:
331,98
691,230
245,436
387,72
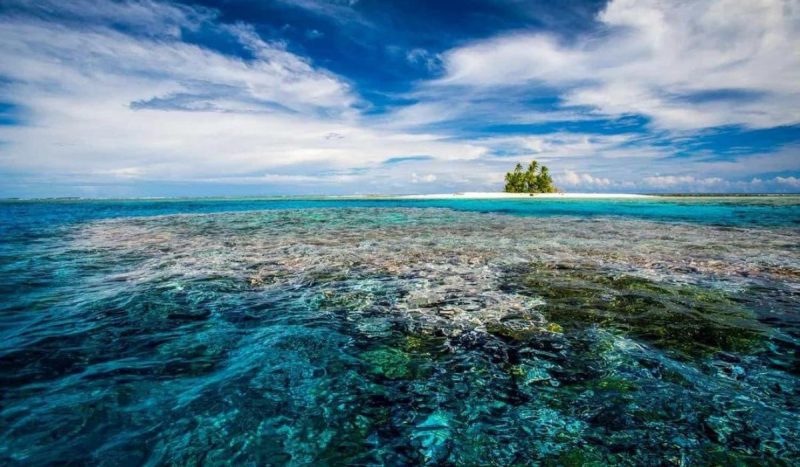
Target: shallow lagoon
385,331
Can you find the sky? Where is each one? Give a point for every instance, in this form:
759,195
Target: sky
235,97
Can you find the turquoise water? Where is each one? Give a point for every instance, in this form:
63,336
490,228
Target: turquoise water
379,331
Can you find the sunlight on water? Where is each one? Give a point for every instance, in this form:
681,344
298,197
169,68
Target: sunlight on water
395,333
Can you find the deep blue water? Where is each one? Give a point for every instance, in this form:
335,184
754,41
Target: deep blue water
766,210
280,331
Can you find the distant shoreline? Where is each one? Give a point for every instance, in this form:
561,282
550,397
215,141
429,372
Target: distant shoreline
434,196
491,195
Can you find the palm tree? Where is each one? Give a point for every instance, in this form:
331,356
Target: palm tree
545,182
515,180
533,180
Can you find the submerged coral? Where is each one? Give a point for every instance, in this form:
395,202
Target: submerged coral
406,336
684,318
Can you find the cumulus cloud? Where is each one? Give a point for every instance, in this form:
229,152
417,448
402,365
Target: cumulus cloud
691,184
574,181
686,65
672,181
570,178
428,178
792,182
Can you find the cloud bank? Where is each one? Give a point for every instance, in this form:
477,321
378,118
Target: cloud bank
148,98
685,65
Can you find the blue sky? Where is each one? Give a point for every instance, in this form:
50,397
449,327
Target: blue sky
235,97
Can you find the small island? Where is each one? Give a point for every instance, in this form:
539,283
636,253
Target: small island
533,180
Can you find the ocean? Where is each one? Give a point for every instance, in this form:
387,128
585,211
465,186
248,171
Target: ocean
380,331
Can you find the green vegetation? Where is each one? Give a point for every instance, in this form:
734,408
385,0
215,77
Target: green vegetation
533,180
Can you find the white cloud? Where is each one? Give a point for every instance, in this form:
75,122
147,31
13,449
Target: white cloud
339,11
423,57
570,178
103,105
59,60
563,145
792,182
691,184
671,181
429,178
785,159
573,181
684,64
148,17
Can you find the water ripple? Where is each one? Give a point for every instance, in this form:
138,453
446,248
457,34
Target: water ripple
400,336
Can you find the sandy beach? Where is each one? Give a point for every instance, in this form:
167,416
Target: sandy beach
492,195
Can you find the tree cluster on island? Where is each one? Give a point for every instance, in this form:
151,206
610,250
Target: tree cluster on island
533,180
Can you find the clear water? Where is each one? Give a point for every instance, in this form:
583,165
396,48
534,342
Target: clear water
330,331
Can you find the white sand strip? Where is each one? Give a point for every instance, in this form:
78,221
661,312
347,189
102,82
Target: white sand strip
490,195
